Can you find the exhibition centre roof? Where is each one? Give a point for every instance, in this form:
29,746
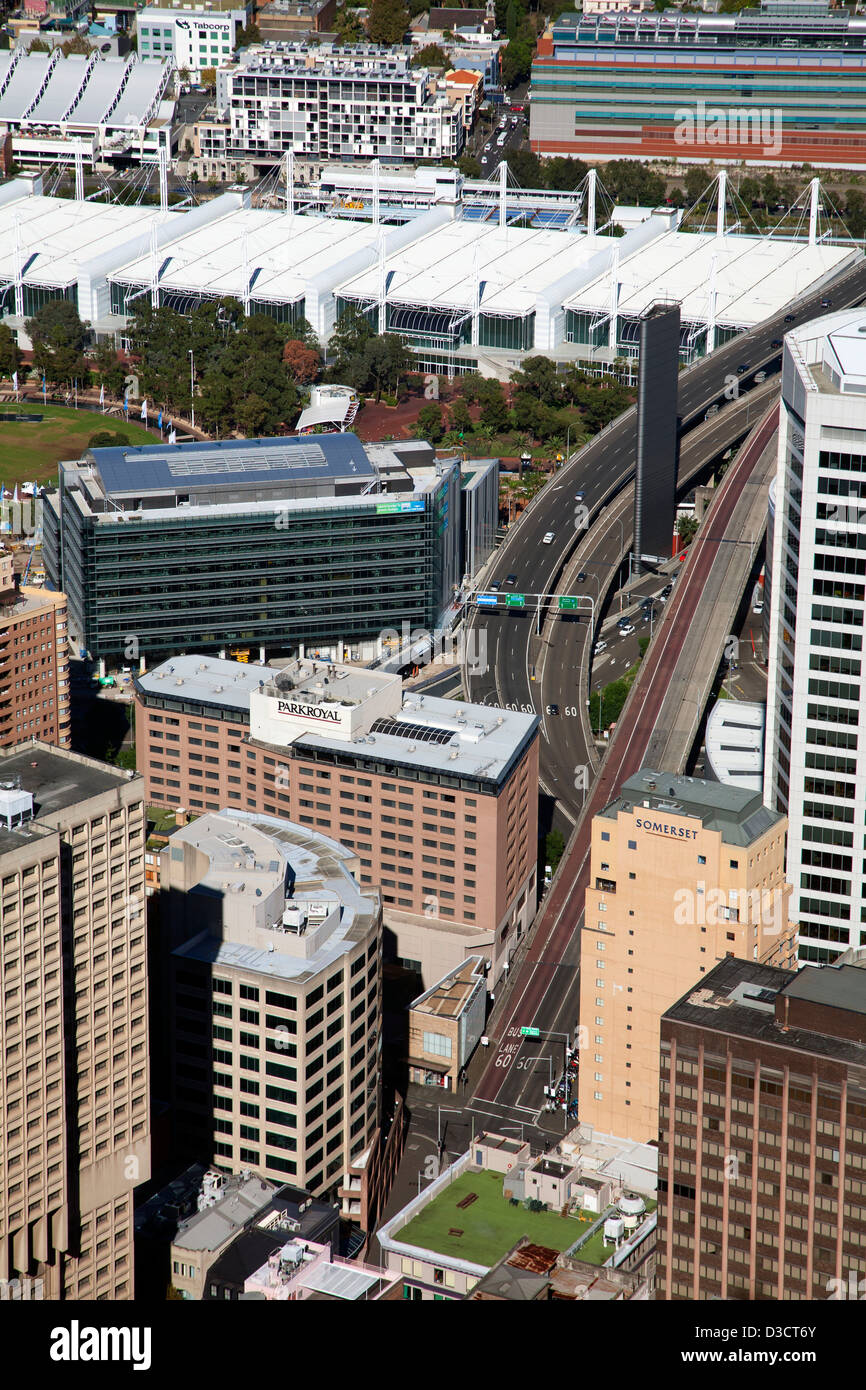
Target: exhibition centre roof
280,253
513,264
57,236
49,90
755,277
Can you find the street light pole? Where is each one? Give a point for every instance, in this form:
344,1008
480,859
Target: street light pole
192,386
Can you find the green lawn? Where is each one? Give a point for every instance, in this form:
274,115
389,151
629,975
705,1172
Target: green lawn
31,453
490,1226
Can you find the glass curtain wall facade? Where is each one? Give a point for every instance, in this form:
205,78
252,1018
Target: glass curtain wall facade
234,577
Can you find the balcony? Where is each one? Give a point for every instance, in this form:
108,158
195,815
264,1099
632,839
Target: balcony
605,885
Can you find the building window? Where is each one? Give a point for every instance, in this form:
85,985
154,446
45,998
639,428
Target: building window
437,1045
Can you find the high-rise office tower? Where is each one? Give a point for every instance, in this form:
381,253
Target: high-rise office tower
815,770
74,1085
683,872
762,1135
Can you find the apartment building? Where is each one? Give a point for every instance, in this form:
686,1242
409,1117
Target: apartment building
34,665
445,1025
762,1135
814,770
683,873
273,955
335,103
439,800
74,1086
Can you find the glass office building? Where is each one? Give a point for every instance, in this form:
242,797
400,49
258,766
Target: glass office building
276,544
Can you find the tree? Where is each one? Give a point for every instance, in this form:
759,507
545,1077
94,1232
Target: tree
628,181
516,62
526,168
687,529
77,44
10,353
347,341
387,21
554,848
469,166
494,412
564,173
39,46
696,181
246,35
107,439
348,27
303,363
429,423
461,420
430,56
58,337
539,378
110,372
855,212
208,77
383,360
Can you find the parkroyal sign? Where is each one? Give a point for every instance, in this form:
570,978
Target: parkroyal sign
660,827
325,714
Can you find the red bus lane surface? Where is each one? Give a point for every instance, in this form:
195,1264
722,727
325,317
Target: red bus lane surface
624,757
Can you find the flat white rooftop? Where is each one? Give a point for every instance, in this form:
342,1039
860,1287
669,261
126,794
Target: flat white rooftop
283,254
514,265
57,236
754,277
734,743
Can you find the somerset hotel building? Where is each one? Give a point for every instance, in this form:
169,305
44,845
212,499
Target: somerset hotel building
439,800
683,873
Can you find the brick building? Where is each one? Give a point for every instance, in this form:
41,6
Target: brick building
34,664
437,799
762,1134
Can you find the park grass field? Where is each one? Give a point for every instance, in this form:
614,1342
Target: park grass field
31,452
490,1226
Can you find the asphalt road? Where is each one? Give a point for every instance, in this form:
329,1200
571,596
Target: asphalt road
515,657
546,995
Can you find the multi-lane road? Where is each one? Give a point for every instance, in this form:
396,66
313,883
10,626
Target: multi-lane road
525,672
545,995
520,672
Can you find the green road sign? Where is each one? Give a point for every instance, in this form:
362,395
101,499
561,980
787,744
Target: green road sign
530,1032
568,601
515,600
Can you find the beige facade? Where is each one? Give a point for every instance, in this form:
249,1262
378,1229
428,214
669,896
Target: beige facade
683,873
445,1025
34,668
275,1001
74,1088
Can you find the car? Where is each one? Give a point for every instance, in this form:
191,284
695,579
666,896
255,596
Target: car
789,318
581,578
547,538
776,343
627,629
743,367
511,580
599,648
579,496
826,303
621,622
495,585
553,709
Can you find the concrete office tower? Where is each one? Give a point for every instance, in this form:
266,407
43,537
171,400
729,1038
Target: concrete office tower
74,1089
683,872
275,1006
34,664
815,769
657,433
762,1135
439,799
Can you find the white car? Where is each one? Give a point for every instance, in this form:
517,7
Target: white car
547,538
599,648
626,629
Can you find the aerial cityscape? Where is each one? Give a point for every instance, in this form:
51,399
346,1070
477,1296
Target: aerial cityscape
432,597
